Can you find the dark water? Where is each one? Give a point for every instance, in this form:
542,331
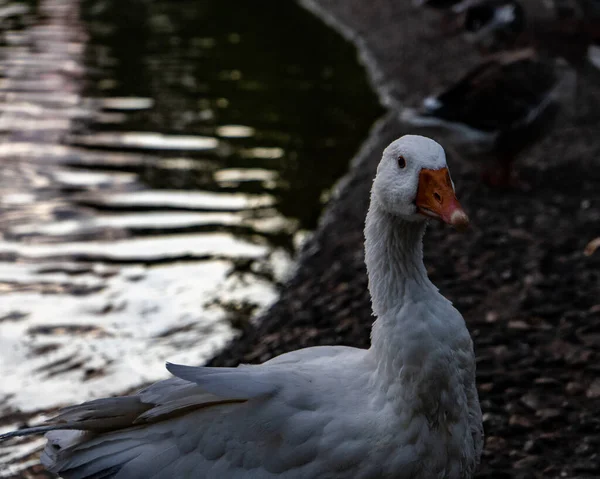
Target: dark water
266,65
161,163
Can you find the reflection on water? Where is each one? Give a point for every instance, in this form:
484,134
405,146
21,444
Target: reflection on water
159,161
271,87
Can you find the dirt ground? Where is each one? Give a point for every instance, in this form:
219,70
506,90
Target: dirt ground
519,276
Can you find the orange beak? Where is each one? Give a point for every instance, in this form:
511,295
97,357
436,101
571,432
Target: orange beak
436,198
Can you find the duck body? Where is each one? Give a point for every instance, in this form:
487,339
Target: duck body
507,99
498,109
406,408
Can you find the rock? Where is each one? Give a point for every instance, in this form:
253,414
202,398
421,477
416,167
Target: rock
548,413
574,388
518,325
520,421
589,466
593,391
531,400
527,462
494,443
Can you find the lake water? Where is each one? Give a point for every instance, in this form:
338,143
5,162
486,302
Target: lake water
161,164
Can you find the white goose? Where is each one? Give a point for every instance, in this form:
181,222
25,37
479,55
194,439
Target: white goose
405,408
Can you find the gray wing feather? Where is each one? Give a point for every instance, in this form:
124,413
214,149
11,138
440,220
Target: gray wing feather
231,383
131,436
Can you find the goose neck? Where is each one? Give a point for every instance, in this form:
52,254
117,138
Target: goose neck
394,259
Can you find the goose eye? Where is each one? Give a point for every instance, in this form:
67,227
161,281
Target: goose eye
401,162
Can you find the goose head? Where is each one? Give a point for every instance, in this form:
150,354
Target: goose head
413,182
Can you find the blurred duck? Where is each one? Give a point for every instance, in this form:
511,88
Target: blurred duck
488,23
494,24
498,109
560,28
451,10
566,29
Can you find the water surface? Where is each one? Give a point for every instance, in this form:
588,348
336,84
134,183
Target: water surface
161,162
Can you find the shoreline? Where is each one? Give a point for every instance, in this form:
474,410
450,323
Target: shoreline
376,76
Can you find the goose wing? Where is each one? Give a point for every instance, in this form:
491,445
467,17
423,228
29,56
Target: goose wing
204,422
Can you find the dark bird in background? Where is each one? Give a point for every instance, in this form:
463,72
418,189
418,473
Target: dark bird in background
535,57
567,29
564,29
493,25
498,109
560,28
484,22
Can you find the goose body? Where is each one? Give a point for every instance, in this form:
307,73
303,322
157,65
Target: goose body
406,408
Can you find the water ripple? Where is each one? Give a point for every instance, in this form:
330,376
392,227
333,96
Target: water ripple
157,178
